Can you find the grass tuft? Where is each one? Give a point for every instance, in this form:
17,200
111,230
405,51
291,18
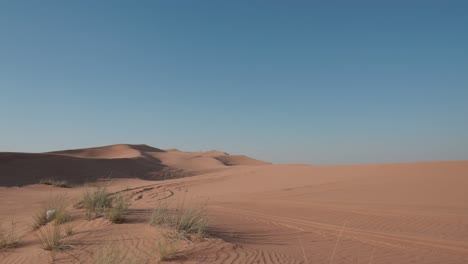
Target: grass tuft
9,238
160,216
167,251
40,218
96,202
116,214
191,221
60,216
183,220
51,238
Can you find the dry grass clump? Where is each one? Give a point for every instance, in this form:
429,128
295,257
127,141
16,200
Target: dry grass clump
40,218
160,216
58,183
51,238
191,221
100,203
96,202
60,216
8,238
184,220
116,214
167,251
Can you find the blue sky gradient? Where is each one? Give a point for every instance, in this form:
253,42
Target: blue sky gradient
319,82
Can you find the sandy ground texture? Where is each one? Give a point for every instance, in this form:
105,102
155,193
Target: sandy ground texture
256,212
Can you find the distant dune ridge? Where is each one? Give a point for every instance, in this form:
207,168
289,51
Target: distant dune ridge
115,161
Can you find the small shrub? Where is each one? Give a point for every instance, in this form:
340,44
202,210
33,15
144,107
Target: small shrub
96,202
119,209
51,238
9,238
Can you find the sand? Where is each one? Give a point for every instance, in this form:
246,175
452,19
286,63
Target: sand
257,212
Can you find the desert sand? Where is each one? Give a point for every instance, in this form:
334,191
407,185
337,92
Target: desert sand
256,212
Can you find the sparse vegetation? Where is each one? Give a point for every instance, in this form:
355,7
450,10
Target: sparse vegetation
100,203
51,238
160,216
8,238
58,183
119,209
96,203
61,215
167,250
184,220
40,218
191,220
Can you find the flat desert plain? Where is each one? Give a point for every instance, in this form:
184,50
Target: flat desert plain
253,211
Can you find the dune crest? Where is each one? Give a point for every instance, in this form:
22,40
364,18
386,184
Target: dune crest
110,152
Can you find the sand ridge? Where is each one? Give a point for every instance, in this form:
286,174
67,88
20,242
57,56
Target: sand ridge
78,166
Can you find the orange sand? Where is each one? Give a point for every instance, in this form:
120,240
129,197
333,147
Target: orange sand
258,212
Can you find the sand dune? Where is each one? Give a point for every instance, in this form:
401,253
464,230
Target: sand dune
235,160
78,166
110,152
17,169
383,213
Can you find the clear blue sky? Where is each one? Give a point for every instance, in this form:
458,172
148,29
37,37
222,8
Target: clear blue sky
320,82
